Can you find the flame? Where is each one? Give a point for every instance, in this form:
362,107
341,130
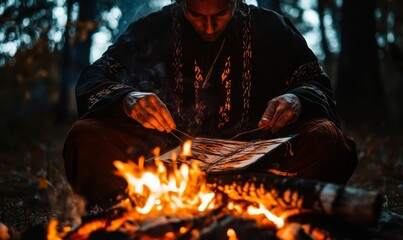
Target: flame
183,189
187,148
231,234
53,233
160,191
263,210
179,190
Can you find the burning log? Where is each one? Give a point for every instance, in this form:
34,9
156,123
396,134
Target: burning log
180,202
232,227
351,205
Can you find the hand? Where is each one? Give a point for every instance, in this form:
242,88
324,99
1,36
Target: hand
280,111
149,111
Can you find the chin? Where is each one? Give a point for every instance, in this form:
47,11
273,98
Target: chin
212,38
209,39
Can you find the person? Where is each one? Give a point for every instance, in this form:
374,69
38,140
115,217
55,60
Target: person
212,68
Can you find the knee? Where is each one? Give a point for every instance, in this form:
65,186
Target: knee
84,129
322,133
332,155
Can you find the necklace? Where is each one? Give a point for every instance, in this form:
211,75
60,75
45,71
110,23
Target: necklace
212,65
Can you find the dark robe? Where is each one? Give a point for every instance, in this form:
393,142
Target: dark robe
141,60
262,56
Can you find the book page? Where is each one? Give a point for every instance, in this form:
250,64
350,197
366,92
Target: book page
220,155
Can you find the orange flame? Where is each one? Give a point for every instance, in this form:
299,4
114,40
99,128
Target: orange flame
231,234
187,148
53,233
183,189
163,192
180,190
263,210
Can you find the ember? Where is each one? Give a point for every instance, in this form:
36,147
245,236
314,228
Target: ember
180,201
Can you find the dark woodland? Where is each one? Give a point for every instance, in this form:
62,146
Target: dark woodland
44,44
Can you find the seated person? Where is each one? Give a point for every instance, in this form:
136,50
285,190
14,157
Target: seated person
211,68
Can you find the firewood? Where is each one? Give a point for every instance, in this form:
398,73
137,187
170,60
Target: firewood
178,226
243,228
293,231
351,205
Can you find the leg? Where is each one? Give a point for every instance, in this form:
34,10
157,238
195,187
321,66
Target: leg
321,152
93,144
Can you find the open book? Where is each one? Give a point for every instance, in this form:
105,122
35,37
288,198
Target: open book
225,156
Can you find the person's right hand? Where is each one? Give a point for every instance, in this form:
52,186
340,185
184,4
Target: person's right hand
147,109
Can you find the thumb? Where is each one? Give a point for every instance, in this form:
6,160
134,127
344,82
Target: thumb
268,114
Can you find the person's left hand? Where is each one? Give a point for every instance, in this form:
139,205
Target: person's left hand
280,111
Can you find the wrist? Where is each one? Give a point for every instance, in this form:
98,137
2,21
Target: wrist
128,101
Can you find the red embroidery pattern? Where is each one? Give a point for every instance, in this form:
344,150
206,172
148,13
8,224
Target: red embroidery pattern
93,99
225,109
199,106
246,74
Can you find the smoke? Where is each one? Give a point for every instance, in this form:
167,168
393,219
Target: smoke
68,206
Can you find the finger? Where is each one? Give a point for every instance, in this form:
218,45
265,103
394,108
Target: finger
155,107
164,113
264,123
140,119
151,113
148,125
142,116
277,113
282,121
268,115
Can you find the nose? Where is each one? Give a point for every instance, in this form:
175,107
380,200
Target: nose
209,25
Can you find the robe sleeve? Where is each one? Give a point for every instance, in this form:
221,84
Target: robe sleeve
101,88
308,81
313,88
126,66
302,74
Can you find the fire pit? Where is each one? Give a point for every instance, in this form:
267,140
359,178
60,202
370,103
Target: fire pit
182,202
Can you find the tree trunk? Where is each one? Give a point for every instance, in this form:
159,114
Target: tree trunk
359,90
325,43
76,55
65,69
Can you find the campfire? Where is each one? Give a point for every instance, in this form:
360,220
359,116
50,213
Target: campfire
180,201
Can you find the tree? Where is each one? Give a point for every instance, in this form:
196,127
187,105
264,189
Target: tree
25,28
76,53
359,89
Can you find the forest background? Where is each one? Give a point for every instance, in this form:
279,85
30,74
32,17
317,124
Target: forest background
44,44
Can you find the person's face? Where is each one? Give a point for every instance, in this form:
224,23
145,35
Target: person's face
208,17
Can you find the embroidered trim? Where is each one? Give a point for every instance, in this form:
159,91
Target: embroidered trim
223,109
93,99
315,89
199,106
178,66
247,68
304,71
226,82
246,75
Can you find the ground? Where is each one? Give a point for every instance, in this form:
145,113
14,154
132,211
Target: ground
31,171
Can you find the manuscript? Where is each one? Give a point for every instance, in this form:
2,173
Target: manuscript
217,156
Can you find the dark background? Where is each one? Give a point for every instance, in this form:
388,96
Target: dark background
44,44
